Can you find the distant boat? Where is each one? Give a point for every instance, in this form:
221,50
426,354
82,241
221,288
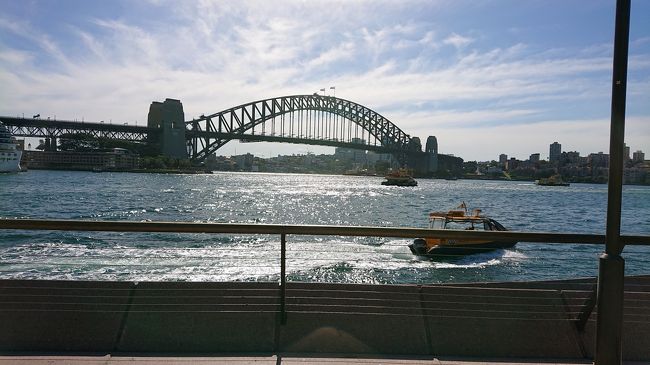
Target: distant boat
555,180
401,177
359,172
9,154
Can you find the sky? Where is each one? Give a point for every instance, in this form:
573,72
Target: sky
485,77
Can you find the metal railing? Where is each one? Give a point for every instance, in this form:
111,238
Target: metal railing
311,230
579,302
314,230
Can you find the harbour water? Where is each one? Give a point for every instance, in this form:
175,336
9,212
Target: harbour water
297,199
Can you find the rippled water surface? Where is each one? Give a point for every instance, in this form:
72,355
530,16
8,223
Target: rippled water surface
296,199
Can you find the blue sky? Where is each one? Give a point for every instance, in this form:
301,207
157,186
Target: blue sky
485,77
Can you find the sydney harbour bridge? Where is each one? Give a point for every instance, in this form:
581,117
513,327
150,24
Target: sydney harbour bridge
303,119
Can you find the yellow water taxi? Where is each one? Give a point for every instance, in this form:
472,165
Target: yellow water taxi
458,219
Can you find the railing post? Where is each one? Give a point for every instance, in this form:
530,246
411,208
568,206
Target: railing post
611,275
283,278
609,321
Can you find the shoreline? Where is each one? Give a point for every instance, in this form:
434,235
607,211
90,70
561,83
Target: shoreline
207,172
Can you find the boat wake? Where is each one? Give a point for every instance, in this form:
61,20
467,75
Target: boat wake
233,259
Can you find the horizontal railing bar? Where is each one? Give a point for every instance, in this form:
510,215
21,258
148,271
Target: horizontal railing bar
319,230
378,314
187,300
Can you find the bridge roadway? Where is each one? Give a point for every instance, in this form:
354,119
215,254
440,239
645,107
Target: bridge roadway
47,128
75,322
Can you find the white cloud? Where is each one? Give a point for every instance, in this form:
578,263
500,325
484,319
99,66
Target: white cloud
457,40
221,54
343,51
25,31
13,57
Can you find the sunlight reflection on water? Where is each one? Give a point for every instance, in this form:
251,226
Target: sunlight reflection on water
296,199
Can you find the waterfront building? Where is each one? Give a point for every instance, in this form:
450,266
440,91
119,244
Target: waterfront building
639,174
571,157
352,154
512,164
534,158
244,162
555,151
599,160
503,158
372,158
494,170
626,153
117,159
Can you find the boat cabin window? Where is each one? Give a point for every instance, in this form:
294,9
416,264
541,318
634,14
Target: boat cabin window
466,225
437,223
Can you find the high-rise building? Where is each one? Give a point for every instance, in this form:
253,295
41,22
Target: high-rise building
503,158
626,153
570,157
638,156
555,152
512,164
534,157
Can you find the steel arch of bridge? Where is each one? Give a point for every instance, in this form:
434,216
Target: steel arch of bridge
208,133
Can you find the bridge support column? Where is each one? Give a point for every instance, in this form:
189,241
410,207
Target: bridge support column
169,117
424,163
50,144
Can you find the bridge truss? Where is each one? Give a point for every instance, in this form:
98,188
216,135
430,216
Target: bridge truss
305,119
45,128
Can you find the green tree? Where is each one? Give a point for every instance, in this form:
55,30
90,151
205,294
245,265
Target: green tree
78,142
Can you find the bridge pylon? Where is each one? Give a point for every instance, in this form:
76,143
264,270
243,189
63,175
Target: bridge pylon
168,117
424,163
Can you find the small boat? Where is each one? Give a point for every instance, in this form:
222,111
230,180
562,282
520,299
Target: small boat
401,177
555,180
458,219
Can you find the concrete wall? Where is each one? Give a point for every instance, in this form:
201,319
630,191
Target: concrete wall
486,320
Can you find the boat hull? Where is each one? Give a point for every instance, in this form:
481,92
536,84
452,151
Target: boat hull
419,247
10,160
400,183
553,184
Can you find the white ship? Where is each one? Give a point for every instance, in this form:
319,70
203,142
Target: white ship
9,154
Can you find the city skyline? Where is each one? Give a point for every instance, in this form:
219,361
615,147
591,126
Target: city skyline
485,78
628,153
